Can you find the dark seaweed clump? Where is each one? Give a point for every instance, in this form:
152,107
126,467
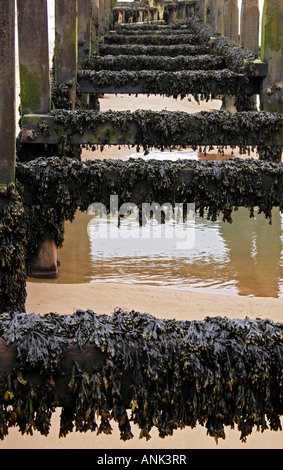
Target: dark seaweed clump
153,373
202,85
59,187
151,39
238,59
144,62
13,248
152,50
167,129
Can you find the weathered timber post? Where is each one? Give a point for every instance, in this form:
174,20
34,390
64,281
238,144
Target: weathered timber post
231,19
271,96
101,24
249,27
66,46
7,95
210,13
95,26
33,56
219,17
272,52
201,9
84,29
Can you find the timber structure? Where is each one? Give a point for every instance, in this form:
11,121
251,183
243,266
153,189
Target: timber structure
173,48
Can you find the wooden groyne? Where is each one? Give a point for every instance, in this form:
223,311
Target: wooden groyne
169,374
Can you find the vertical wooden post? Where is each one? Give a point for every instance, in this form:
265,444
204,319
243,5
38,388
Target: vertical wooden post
95,26
249,27
101,24
219,17
84,29
201,9
231,20
272,52
7,94
210,13
33,56
66,45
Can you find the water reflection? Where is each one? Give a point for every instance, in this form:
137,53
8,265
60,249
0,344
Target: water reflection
243,258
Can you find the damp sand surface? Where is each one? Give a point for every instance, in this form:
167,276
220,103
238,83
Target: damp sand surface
104,297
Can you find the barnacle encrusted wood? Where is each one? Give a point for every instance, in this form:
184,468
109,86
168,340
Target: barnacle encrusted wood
133,368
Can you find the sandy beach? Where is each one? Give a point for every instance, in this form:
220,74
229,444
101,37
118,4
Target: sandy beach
103,298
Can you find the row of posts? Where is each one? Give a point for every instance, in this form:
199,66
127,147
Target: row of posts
224,16
80,25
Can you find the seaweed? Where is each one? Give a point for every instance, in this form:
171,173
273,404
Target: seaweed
143,62
142,370
13,251
166,129
202,85
149,50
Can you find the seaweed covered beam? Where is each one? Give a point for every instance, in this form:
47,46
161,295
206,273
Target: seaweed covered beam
144,62
54,188
147,129
134,369
140,49
153,39
202,85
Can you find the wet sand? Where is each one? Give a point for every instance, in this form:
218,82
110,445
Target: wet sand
103,298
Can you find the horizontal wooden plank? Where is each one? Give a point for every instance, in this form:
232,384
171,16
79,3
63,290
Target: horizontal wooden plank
153,129
143,62
172,51
181,83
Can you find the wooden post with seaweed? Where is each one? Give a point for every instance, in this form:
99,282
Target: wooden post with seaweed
84,29
66,45
231,20
249,26
33,56
7,96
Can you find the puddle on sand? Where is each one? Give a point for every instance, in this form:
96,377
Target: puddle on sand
243,258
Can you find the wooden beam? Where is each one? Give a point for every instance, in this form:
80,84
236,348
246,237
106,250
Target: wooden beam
172,51
33,56
66,45
7,94
156,82
99,129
